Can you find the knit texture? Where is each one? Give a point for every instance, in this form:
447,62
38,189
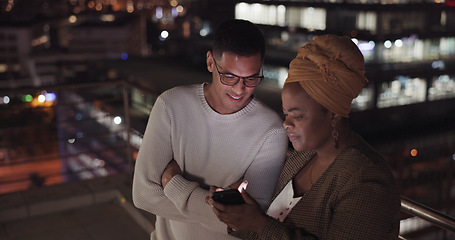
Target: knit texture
355,198
212,150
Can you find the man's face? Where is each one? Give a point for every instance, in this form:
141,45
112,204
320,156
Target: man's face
230,99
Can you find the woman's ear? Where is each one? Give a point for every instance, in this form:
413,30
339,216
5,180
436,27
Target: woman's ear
210,62
335,119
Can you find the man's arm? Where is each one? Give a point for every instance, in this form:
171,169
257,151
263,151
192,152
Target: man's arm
261,176
154,155
263,173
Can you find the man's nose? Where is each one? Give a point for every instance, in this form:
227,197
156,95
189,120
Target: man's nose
240,86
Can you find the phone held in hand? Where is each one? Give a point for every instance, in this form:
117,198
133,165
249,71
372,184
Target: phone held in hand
231,196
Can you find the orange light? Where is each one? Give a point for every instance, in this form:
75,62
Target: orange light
174,3
91,4
414,152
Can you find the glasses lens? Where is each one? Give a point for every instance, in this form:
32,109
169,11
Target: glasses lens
252,81
229,79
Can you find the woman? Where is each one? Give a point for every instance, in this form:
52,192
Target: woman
334,186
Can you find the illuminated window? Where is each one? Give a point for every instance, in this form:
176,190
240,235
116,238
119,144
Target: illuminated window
313,18
261,14
271,15
409,49
281,15
307,17
275,75
367,48
447,46
402,91
256,11
365,99
241,10
366,21
442,87
293,16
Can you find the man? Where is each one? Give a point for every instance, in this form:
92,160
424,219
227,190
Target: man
217,133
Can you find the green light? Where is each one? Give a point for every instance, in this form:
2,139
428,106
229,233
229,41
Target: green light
27,98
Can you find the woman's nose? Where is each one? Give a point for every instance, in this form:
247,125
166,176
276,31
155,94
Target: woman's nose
286,124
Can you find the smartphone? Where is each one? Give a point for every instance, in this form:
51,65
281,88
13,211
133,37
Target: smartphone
231,196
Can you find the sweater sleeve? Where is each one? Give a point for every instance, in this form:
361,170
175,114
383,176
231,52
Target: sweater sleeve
154,155
189,199
261,175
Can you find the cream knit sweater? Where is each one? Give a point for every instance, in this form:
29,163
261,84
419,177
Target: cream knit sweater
212,150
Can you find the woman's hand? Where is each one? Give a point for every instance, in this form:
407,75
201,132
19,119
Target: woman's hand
170,171
242,217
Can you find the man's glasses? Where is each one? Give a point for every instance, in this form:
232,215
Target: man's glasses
231,79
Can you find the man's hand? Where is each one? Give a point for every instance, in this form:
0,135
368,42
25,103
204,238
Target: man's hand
170,171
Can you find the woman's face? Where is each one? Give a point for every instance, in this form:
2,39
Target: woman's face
307,123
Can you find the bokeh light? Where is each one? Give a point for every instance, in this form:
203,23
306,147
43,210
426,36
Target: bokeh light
414,152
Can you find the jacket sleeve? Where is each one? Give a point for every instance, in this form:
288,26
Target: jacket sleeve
275,230
367,207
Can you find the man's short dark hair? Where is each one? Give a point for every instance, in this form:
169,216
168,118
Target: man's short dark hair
239,37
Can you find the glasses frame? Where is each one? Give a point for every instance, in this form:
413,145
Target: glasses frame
261,77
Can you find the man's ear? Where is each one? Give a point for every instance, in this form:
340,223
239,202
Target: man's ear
210,62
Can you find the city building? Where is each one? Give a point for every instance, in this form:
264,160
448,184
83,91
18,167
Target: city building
78,78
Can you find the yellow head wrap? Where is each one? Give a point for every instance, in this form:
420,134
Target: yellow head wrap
331,70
